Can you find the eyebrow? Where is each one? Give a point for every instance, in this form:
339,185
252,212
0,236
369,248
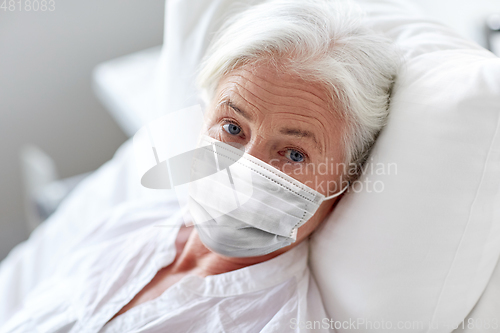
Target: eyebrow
298,133
236,109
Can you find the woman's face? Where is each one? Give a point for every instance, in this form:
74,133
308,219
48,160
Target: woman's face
283,121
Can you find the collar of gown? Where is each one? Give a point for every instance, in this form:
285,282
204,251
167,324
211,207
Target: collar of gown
253,278
292,263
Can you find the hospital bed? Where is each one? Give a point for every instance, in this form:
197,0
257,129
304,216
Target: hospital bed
423,250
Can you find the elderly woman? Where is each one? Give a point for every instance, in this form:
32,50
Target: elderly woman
289,85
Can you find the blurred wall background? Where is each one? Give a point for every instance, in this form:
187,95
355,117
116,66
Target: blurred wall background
46,60
467,17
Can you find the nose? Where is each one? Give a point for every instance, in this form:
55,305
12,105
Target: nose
257,147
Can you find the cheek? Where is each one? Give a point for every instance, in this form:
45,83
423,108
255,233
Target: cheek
303,172
315,221
310,174
324,177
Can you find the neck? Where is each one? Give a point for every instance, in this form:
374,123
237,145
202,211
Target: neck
196,258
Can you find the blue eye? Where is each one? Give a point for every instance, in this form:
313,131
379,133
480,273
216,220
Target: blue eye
294,155
232,129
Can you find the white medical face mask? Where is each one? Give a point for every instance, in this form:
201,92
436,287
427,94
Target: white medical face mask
243,207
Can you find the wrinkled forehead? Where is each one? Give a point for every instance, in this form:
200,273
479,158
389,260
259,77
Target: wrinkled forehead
269,88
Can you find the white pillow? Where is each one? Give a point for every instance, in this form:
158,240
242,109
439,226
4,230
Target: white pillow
423,249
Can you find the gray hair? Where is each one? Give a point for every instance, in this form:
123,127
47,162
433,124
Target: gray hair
322,41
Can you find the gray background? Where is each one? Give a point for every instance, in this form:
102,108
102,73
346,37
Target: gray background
46,59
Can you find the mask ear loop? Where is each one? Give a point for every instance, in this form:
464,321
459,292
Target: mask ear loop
339,193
